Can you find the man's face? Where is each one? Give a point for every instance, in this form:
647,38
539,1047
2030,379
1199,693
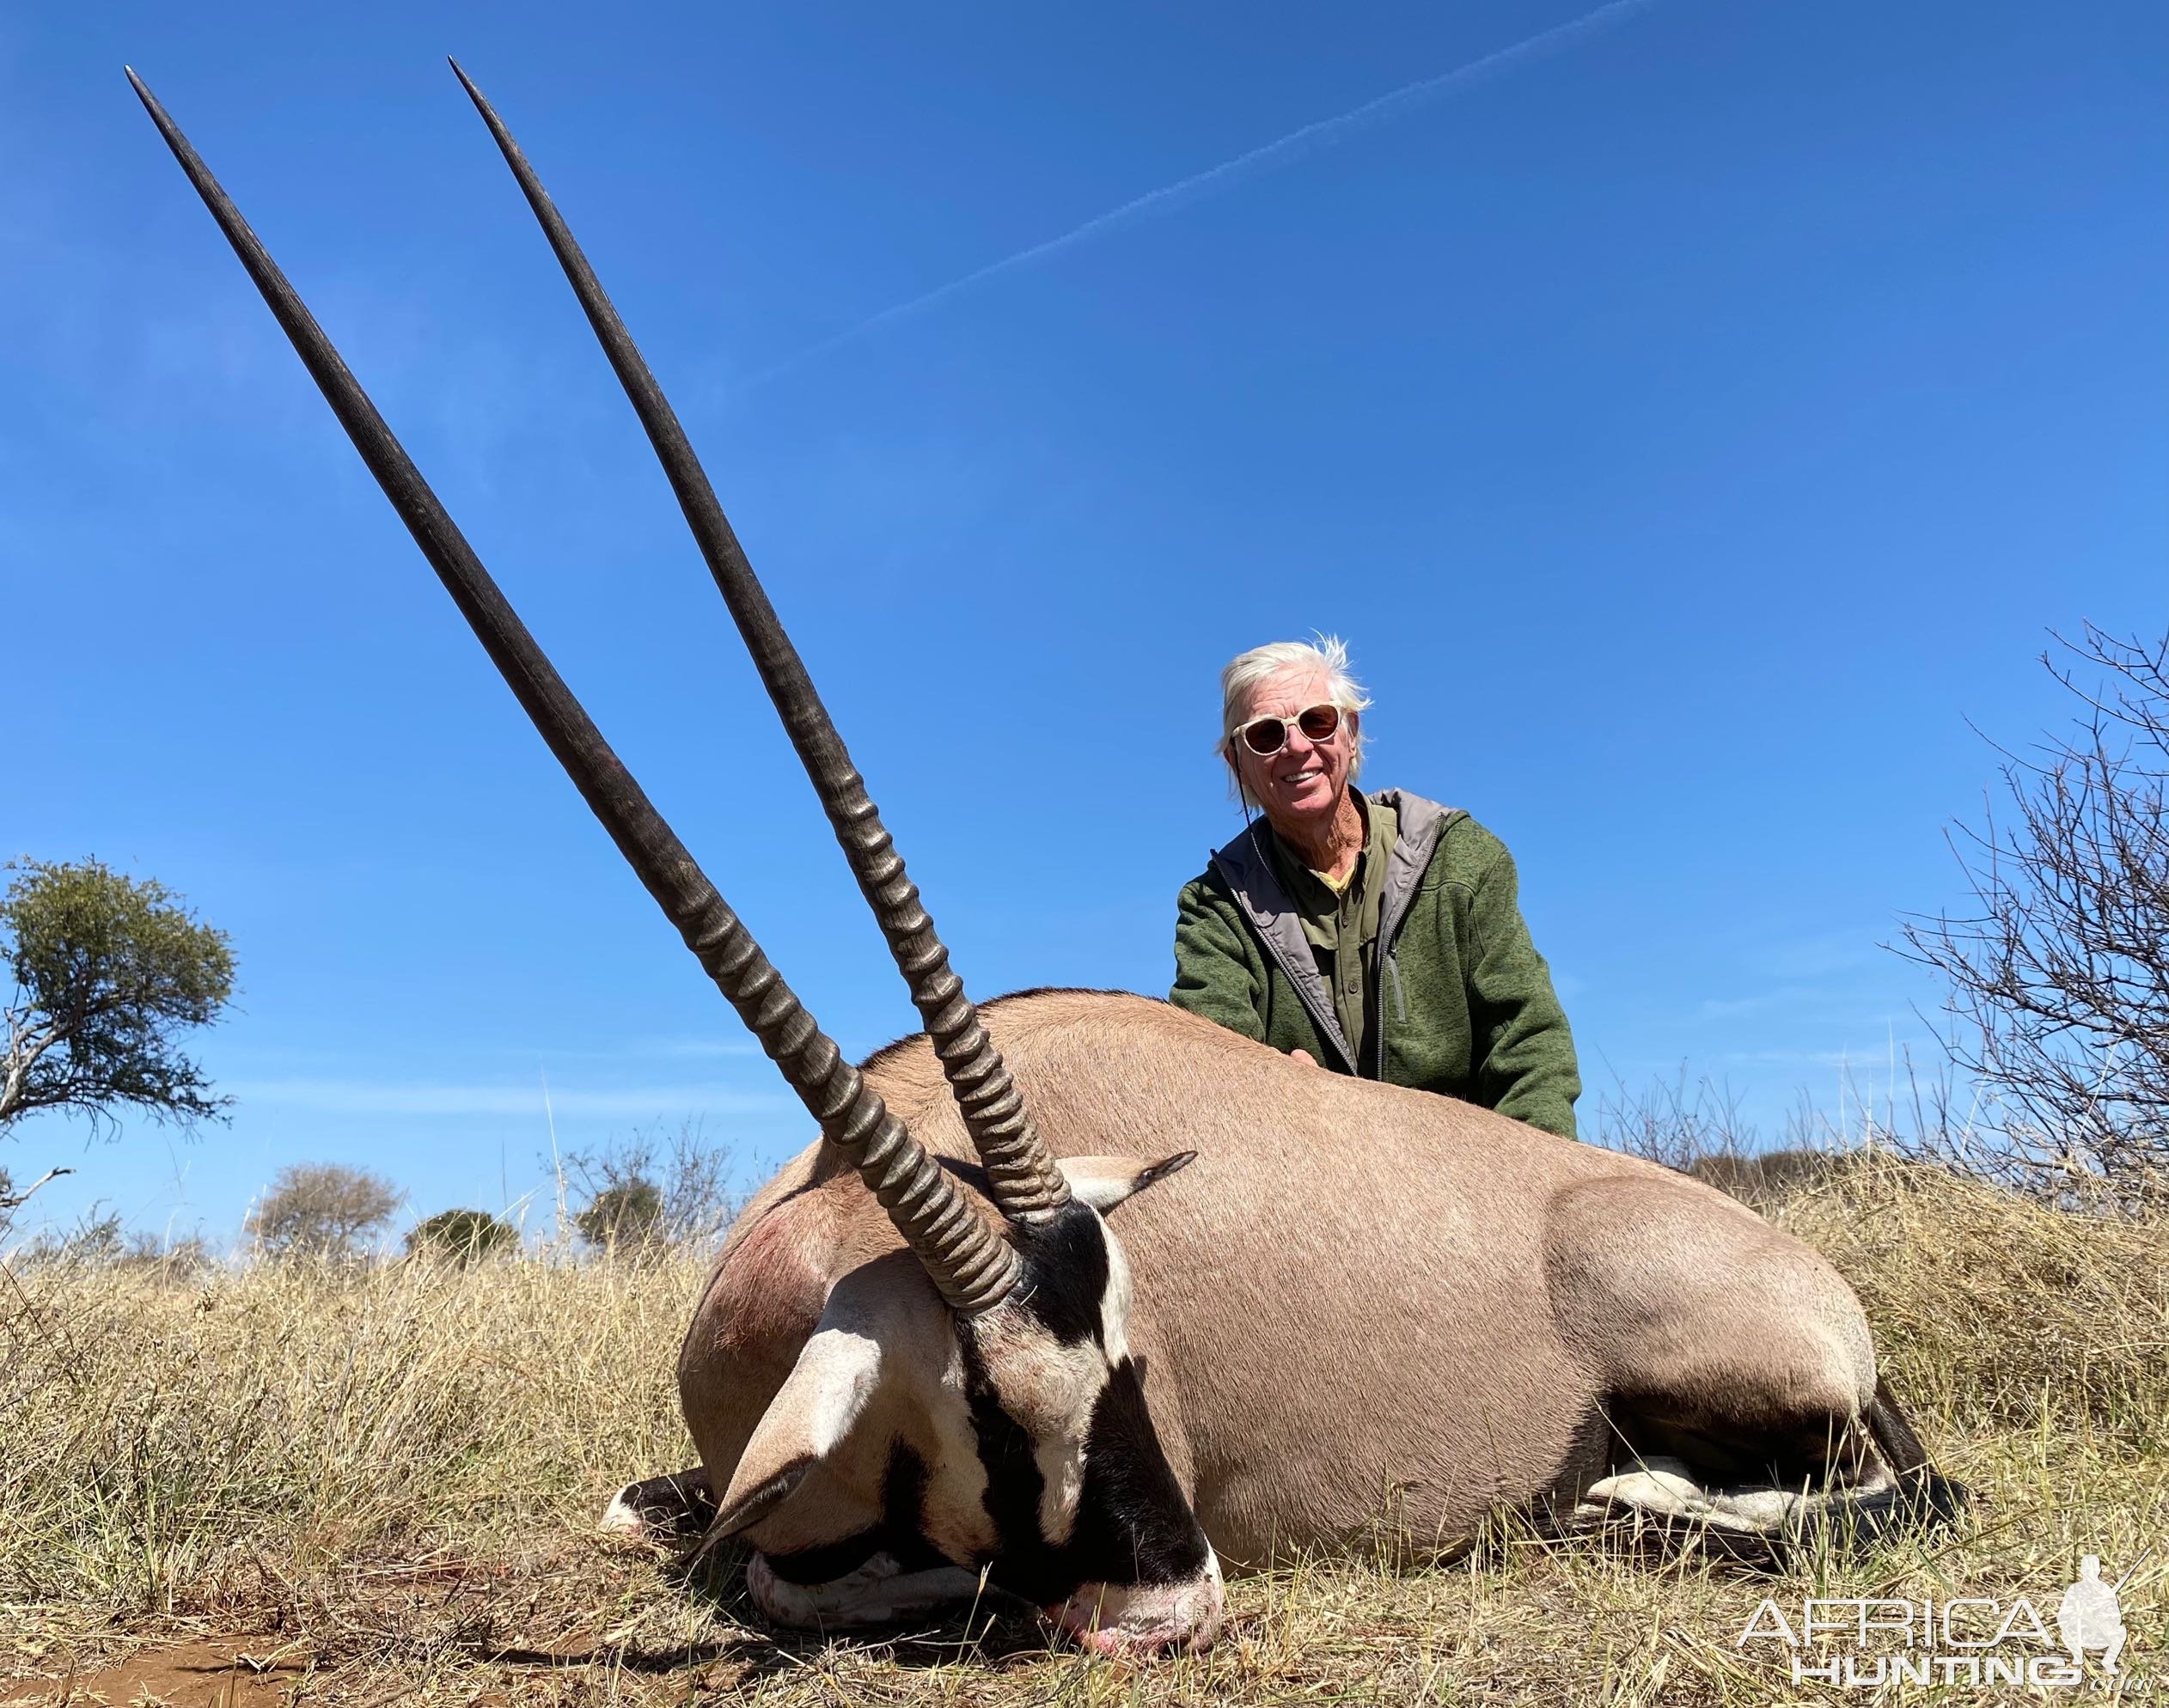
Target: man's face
1300,786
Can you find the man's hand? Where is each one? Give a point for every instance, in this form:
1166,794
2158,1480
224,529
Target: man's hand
1303,1056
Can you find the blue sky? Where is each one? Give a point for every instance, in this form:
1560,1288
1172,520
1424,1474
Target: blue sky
1692,421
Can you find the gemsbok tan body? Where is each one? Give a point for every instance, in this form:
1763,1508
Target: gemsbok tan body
1362,1312
1082,1295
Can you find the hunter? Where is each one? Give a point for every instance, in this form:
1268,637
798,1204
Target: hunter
1375,934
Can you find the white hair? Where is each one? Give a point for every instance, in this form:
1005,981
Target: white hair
1248,672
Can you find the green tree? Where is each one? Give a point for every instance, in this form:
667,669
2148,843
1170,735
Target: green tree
626,1218
322,1210
653,1191
463,1236
109,971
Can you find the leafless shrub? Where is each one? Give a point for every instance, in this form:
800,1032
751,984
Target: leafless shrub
653,1192
1675,1122
98,1239
2059,978
12,1200
1697,1129
186,1258
322,1210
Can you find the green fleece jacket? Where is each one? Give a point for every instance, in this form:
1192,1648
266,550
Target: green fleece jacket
1463,1002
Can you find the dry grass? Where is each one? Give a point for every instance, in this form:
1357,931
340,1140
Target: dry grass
386,1478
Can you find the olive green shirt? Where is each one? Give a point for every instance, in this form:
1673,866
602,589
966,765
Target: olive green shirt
1463,1004
1341,925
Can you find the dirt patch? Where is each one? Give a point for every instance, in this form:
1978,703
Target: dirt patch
219,1673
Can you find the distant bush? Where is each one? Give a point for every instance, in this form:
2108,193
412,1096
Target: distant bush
651,1194
1697,1129
99,1240
322,1210
626,1218
462,1236
1767,1177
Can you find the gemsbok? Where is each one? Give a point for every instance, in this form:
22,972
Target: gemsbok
925,1356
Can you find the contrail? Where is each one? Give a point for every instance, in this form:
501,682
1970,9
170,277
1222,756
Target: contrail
1322,133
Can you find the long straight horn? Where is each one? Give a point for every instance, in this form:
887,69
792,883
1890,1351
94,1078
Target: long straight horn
1021,1174
973,1268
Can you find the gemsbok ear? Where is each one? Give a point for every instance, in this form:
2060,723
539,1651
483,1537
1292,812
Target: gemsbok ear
837,1374
1106,1181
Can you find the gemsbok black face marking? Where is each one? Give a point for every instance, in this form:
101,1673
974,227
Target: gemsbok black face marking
903,1494
1126,1522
